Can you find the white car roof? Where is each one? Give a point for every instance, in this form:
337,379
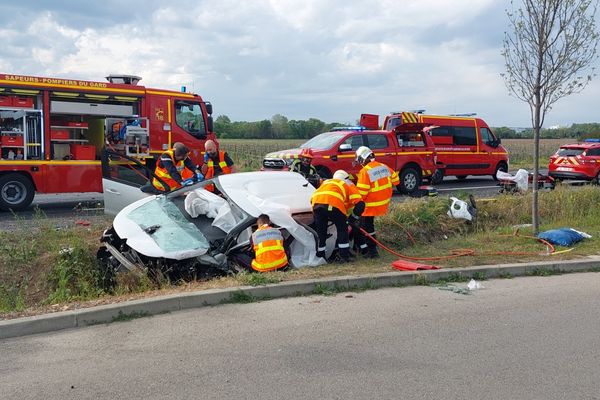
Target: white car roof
246,189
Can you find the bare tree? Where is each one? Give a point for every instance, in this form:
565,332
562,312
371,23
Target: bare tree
551,45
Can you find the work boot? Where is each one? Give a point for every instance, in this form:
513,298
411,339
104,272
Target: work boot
373,253
321,254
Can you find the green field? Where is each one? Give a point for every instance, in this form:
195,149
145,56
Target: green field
248,154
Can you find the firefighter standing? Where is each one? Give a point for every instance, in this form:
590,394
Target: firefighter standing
174,167
215,163
302,165
330,202
375,184
267,241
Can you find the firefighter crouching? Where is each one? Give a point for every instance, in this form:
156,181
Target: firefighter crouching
302,165
375,184
269,253
330,202
174,167
216,163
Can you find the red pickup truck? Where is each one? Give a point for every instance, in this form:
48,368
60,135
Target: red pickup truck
406,149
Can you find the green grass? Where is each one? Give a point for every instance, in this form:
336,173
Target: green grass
259,279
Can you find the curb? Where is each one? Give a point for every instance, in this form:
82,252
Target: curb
182,301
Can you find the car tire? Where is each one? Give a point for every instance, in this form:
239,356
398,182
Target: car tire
16,192
500,167
410,180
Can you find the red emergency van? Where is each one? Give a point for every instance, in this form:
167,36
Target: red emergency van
464,144
53,131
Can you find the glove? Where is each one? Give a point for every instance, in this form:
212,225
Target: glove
205,158
354,221
188,182
199,176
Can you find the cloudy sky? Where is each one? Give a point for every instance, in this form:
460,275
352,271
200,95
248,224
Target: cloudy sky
327,59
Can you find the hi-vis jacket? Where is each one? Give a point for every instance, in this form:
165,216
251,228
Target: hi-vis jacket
210,169
268,249
336,193
375,181
162,172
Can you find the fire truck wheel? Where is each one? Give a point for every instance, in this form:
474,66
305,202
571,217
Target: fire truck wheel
500,167
410,180
16,192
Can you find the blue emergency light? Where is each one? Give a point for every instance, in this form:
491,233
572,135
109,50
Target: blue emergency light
595,140
348,128
183,89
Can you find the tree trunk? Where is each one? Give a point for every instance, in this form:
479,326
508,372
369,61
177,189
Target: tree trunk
536,166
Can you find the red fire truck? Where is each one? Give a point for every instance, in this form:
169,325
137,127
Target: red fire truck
53,131
465,145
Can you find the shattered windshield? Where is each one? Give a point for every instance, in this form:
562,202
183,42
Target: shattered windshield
168,227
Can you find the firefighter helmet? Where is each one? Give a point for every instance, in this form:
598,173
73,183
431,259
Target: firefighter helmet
306,153
363,153
341,175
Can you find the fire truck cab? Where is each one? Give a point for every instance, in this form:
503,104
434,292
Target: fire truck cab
464,144
53,131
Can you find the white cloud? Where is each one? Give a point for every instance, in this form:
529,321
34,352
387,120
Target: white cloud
330,60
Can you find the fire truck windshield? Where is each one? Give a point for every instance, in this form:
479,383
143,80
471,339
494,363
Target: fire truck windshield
190,118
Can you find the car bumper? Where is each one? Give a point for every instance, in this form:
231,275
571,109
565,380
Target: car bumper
570,175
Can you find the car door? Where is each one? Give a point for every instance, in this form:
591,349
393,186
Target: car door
344,159
383,148
122,178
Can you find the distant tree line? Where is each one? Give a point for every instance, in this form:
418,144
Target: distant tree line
578,131
279,127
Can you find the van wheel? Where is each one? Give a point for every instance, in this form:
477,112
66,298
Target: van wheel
500,167
461,177
410,180
16,192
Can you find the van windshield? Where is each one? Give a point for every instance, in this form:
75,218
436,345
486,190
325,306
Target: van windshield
324,141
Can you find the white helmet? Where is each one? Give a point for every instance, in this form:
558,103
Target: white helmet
363,153
340,174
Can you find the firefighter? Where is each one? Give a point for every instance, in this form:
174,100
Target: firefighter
330,203
267,241
375,184
174,167
216,163
302,165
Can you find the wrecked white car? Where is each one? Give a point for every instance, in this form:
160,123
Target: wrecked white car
191,232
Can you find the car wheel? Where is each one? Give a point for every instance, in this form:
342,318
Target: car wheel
461,177
500,167
16,192
410,180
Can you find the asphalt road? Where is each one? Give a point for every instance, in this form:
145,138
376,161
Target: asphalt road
523,338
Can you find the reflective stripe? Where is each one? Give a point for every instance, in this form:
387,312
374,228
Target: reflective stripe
363,246
344,245
280,262
377,203
334,194
262,249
